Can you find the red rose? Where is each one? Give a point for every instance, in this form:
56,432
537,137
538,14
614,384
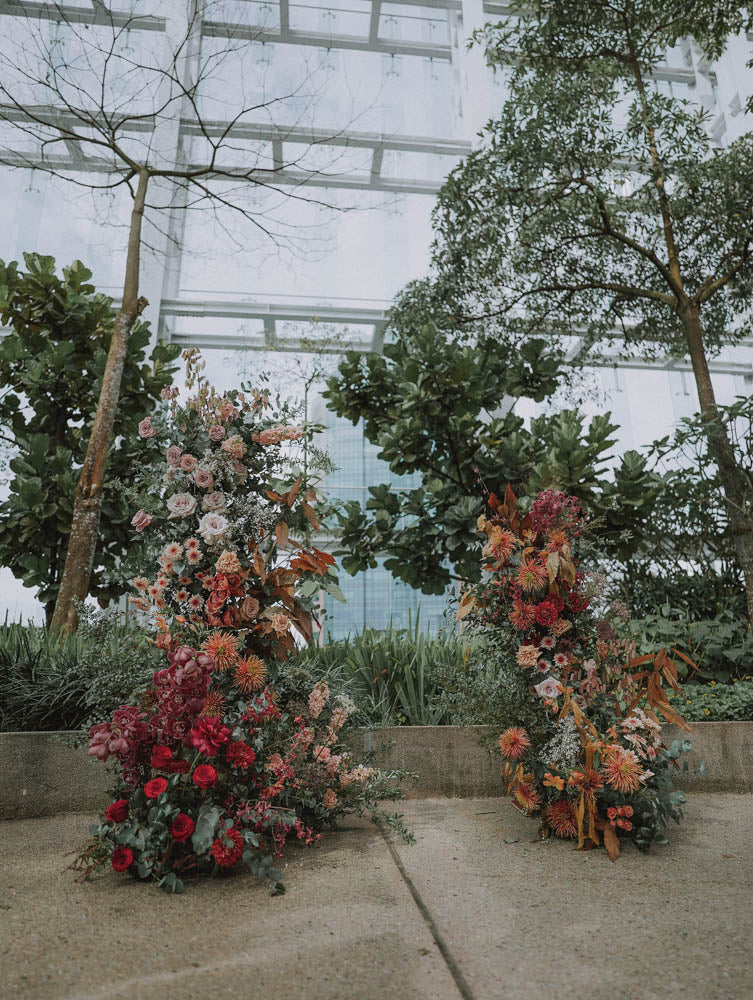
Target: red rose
182,827
155,787
161,757
179,766
204,776
122,859
118,811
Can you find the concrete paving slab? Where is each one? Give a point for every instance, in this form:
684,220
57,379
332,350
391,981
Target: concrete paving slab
346,928
525,919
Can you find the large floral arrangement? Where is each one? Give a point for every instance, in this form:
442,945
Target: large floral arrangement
231,750
589,758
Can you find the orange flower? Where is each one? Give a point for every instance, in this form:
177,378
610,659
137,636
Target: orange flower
521,615
527,656
561,626
531,576
213,705
555,540
513,743
526,797
250,674
589,781
561,819
554,781
223,648
622,771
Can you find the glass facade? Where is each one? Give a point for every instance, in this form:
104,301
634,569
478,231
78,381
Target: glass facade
347,116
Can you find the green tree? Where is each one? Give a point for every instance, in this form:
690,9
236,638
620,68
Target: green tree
443,412
602,210
51,369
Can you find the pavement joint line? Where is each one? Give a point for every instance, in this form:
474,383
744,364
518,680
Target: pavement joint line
449,959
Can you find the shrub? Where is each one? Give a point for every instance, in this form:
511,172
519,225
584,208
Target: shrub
714,702
722,646
49,682
395,676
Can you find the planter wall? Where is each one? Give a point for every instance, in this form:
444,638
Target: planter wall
43,775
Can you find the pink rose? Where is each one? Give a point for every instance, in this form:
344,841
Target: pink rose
269,436
181,505
145,428
213,503
141,520
216,432
173,456
203,479
548,688
188,463
212,527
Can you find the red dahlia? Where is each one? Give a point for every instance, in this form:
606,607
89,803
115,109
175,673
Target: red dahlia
227,848
209,734
240,754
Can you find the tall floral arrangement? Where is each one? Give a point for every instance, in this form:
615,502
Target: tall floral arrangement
230,751
589,761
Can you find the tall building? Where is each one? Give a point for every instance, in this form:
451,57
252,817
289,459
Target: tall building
358,110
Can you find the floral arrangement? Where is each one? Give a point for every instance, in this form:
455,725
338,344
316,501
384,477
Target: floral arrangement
230,751
590,760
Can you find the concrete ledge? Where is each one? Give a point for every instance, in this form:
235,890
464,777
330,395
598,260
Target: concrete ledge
43,775
452,764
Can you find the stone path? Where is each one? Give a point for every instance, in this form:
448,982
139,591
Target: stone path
476,909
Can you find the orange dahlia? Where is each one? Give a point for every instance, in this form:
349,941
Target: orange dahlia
531,576
213,705
561,819
622,771
250,673
526,797
223,648
521,615
514,742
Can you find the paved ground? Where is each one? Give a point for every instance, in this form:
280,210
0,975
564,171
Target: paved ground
476,909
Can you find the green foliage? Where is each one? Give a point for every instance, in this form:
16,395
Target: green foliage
722,646
48,682
485,689
443,411
51,368
564,212
713,702
682,550
393,676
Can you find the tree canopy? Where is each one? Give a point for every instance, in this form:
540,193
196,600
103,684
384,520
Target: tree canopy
599,210
51,368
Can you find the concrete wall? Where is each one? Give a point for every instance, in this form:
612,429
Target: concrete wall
41,774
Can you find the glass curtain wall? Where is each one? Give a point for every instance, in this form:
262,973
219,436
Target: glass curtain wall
351,112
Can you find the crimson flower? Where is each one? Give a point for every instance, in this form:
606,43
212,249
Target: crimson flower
154,788
209,734
118,811
183,827
204,776
122,859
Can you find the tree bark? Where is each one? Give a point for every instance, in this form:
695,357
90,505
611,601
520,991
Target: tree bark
87,506
721,449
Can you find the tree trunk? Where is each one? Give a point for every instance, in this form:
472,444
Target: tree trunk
721,449
82,543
